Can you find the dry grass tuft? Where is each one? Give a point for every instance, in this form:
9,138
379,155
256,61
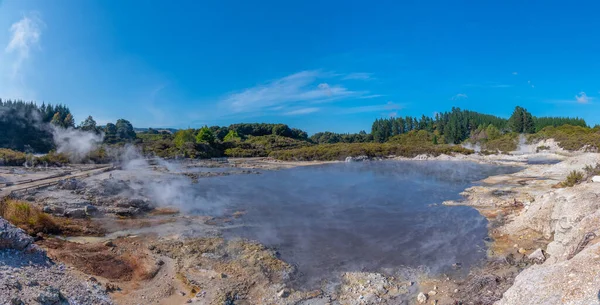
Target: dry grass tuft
27,217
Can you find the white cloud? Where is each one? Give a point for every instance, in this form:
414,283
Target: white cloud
460,96
389,106
582,98
358,76
24,38
25,35
370,96
302,111
298,88
489,85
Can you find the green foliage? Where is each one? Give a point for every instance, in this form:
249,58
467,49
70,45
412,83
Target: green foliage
125,130
69,121
591,171
569,137
414,137
264,129
184,136
492,132
205,135
542,122
574,177
10,157
281,130
455,126
505,143
331,137
23,126
89,125
521,121
53,159
262,146
542,148
339,151
119,133
232,136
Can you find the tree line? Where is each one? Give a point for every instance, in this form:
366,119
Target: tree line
25,126
458,125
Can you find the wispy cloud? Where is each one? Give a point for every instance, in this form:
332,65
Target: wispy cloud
387,107
358,76
460,96
302,111
299,89
530,84
370,96
489,85
582,98
515,73
25,35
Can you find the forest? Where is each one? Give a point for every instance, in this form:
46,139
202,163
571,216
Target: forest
28,128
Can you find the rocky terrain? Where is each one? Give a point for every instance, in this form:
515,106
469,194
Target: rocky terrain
28,276
555,228
542,249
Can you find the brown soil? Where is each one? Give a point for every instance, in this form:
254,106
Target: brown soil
119,262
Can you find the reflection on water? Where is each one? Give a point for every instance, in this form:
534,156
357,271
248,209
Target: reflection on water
359,216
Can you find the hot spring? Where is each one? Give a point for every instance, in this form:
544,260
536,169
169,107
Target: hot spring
364,216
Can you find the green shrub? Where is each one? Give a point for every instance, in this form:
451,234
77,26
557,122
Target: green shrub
9,157
505,143
574,177
569,137
53,159
339,151
542,148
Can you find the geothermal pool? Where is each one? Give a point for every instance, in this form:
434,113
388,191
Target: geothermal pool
364,216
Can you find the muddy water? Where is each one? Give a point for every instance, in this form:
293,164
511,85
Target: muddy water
359,216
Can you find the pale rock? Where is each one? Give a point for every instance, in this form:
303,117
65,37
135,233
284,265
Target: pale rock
537,256
421,298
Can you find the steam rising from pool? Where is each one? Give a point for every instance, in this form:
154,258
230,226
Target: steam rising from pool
369,216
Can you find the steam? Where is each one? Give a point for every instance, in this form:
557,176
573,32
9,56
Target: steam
523,148
168,188
75,143
476,147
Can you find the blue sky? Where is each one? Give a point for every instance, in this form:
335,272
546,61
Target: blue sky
315,65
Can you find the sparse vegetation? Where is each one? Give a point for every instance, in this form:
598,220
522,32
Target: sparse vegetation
339,151
505,143
574,177
542,148
570,137
591,171
27,217
9,157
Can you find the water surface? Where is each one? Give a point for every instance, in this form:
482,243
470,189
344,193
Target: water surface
363,216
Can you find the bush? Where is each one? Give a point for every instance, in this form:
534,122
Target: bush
542,148
339,151
27,217
53,159
505,143
574,177
569,137
10,157
262,146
